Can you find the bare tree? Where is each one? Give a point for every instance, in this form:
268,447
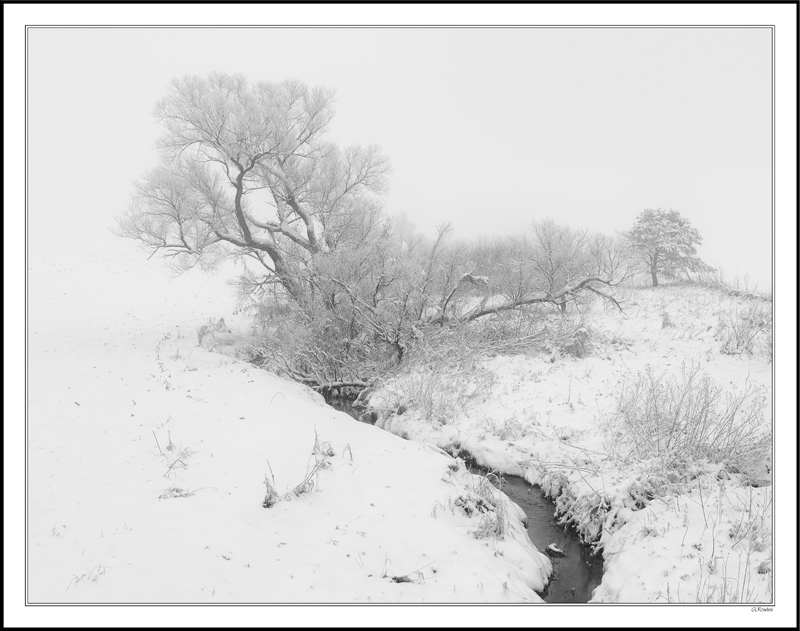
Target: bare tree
609,256
557,257
246,171
555,265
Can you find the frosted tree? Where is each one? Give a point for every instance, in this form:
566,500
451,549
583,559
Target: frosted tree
665,242
246,171
554,265
557,256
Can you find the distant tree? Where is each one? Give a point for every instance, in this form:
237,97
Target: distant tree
665,243
608,255
554,265
557,256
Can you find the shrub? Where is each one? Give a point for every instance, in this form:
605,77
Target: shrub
578,344
443,372
214,332
676,420
746,329
512,428
439,392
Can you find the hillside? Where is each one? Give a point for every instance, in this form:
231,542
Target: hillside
150,450
148,455
686,521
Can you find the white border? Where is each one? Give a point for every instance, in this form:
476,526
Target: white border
784,16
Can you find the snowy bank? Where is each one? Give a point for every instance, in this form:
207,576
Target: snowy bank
695,531
148,456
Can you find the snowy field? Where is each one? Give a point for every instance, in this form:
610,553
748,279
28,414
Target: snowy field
702,534
148,454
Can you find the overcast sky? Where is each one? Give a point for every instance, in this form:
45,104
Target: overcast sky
488,128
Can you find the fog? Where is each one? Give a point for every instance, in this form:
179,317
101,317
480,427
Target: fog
487,128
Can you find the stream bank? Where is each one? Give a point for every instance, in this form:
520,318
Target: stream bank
576,571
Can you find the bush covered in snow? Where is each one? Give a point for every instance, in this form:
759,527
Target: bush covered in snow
676,421
746,329
438,392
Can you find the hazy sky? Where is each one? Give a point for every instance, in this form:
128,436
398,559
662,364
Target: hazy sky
488,128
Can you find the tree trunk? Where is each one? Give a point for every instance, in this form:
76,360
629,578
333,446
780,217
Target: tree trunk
654,268
563,306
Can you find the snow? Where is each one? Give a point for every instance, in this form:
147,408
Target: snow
148,455
709,538
115,364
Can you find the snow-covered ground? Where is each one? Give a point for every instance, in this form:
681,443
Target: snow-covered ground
148,455
708,537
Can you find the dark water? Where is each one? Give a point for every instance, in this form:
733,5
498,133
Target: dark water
346,405
578,572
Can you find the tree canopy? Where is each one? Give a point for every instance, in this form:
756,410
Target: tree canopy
664,242
246,170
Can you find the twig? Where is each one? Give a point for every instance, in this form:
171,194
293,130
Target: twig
414,572
159,447
352,520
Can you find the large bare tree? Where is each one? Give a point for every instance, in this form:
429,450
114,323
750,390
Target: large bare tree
246,170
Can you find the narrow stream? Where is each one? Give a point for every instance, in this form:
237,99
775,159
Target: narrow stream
344,405
577,572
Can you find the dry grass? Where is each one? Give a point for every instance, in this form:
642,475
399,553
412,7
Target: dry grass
672,421
513,428
439,392
485,500
444,374
746,328
178,457
321,451
175,491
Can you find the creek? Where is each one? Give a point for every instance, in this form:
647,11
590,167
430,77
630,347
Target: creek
575,573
